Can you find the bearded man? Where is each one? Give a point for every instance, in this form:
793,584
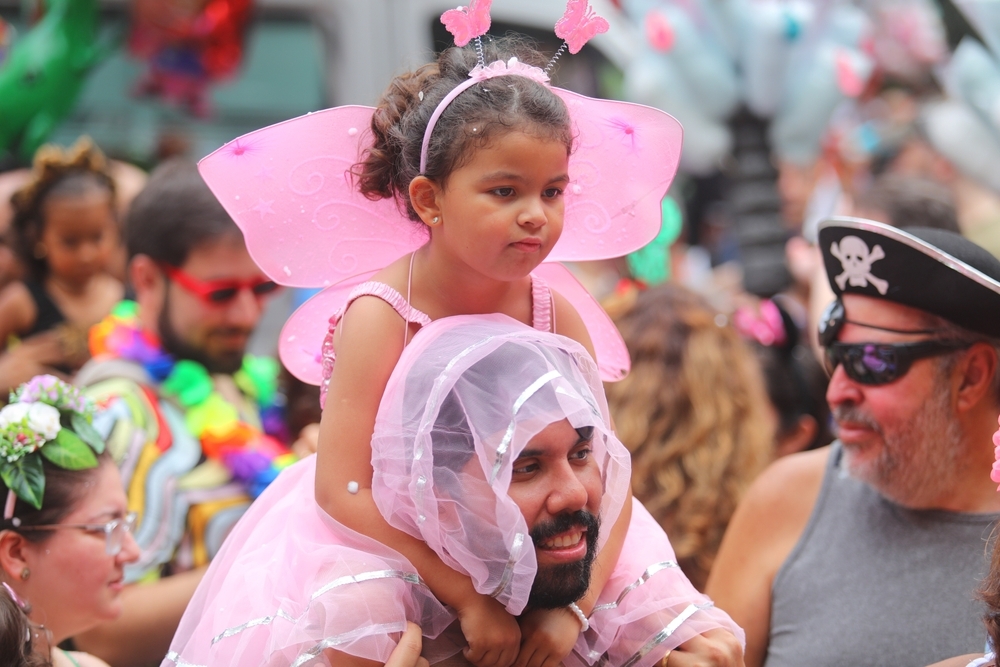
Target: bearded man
188,416
869,551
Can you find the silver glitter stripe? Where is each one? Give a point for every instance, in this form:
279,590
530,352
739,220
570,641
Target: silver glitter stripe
665,633
518,404
179,661
650,571
337,640
408,577
508,571
263,620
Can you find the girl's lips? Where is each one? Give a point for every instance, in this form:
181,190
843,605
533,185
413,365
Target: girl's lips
528,245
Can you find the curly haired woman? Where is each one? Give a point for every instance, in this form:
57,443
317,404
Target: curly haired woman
694,413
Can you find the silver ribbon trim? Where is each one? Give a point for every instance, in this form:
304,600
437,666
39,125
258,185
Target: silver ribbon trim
518,404
650,571
665,633
508,571
179,661
409,577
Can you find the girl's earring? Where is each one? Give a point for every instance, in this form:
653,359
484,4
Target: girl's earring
436,219
40,251
25,573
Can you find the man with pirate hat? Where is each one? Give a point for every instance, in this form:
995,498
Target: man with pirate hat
870,551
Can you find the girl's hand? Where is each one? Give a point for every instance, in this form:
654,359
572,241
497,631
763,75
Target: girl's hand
547,637
715,648
407,651
492,633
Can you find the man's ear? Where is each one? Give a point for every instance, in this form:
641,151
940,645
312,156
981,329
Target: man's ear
147,281
977,370
13,558
424,194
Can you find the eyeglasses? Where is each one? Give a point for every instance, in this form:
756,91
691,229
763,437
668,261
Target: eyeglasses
114,531
219,292
882,363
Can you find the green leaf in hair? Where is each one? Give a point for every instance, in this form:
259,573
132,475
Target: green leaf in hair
26,478
69,451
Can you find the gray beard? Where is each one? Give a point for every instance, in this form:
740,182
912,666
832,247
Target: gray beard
917,463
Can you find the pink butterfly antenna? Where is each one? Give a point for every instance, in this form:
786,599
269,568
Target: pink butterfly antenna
579,23
468,23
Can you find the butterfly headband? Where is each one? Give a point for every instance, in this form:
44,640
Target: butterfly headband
45,419
577,26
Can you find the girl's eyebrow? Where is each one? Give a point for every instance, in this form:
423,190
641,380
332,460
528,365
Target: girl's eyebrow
511,176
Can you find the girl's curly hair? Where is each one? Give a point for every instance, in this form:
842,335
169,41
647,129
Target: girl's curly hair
472,120
55,172
693,413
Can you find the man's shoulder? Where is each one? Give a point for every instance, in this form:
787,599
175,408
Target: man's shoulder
789,486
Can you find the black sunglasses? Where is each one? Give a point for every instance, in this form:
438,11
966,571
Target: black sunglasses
882,363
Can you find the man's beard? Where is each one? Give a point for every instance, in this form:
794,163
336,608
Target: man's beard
174,344
558,585
917,461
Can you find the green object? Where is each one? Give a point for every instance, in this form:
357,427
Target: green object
69,451
126,310
214,411
189,382
258,378
651,263
87,433
26,478
44,73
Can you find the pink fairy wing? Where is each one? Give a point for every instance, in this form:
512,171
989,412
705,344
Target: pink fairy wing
624,157
288,188
302,337
612,355
301,342
467,23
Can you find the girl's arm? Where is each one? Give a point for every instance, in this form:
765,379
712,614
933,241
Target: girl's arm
369,343
17,312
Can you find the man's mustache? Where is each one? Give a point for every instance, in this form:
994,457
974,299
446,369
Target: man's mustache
565,523
855,415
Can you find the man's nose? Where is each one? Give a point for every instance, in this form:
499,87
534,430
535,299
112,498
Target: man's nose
842,389
245,309
568,492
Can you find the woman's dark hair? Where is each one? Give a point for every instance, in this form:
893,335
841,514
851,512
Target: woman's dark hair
55,173
475,118
63,490
16,634
174,214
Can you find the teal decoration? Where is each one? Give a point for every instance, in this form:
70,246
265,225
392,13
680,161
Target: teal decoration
651,263
44,72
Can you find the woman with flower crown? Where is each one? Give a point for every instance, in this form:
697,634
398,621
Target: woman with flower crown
65,535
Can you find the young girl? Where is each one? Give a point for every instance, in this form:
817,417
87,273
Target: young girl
491,193
475,151
64,232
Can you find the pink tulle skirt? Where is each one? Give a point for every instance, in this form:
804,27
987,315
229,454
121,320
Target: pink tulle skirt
289,583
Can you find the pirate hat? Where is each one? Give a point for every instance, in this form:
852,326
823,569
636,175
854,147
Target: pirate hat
933,270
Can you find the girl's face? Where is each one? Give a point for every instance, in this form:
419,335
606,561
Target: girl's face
502,212
79,235
74,584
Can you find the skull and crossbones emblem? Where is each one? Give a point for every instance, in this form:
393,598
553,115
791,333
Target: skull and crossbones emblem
857,260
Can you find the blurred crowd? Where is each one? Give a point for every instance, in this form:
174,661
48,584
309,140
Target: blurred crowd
720,316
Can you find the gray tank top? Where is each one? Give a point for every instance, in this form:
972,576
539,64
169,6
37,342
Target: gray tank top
873,583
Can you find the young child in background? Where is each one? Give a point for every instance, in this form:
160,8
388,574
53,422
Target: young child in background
65,231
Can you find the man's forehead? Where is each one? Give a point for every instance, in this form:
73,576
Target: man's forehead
884,313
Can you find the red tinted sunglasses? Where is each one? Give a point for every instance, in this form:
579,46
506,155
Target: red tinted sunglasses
219,292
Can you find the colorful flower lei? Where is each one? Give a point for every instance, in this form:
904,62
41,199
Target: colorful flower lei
252,456
46,418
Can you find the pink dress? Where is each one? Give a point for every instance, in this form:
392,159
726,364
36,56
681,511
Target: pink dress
542,317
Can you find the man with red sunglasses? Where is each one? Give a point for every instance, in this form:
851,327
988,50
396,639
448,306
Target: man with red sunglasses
870,551
188,415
